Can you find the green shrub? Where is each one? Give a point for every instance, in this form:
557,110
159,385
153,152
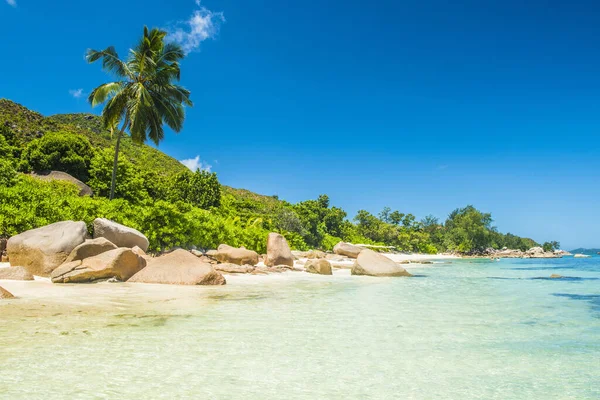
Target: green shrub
130,184
201,189
58,151
8,173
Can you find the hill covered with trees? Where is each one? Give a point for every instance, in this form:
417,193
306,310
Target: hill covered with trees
176,207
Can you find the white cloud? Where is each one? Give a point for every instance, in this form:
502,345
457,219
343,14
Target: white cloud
14,2
195,163
203,24
77,93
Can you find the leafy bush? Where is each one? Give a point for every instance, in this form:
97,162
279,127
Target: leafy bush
201,189
8,173
59,151
130,184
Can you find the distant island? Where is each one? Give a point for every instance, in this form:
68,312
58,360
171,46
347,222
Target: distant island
590,252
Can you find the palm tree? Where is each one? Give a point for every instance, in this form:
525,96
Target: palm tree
144,96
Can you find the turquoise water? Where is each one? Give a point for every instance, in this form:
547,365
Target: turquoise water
463,330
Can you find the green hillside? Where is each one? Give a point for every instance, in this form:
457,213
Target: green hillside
173,206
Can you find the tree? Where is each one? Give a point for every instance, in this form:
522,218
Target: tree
201,189
144,96
551,246
59,151
468,229
130,186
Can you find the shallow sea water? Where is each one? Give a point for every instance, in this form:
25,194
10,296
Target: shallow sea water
462,330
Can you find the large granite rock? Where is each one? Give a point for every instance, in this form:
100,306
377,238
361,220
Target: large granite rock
278,251
322,267
121,263
233,255
15,274
84,190
179,267
121,235
90,248
375,264
41,250
347,249
5,294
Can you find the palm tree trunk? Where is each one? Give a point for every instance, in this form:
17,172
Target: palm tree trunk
116,161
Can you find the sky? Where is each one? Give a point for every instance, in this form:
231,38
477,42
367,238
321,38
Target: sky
423,105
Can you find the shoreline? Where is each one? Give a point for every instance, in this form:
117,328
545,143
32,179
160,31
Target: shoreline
43,288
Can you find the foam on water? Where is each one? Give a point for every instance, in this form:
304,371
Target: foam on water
454,333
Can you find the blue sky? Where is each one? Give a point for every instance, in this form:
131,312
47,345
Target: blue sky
423,106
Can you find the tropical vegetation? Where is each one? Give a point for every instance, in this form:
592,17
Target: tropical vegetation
174,206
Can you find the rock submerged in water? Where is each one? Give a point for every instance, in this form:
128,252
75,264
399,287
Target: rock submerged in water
15,274
180,267
40,251
233,255
121,263
5,294
90,248
321,267
347,249
278,251
120,235
374,264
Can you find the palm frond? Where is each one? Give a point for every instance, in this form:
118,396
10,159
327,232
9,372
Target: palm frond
110,61
103,92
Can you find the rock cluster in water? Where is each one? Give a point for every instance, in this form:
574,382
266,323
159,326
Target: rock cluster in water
534,252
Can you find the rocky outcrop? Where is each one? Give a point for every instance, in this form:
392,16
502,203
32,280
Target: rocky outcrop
322,267
375,264
278,251
90,248
120,235
42,250
84,190
233,255
581,256
15,274
179,267
121,264
347,249
5,294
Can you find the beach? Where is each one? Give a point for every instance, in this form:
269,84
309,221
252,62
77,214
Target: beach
467,329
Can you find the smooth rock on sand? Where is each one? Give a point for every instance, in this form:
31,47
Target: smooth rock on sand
347,249
42,250
179,267
15,274
278,251
120,235
121,263
322,267
375,264
5,294
90,248
233,255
